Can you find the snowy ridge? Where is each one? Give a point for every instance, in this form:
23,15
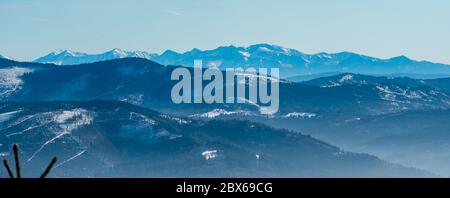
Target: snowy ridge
142,118
6,116
291,62
4,57
52,125
209,154
68,121
179,120
300,115
67,57
220,112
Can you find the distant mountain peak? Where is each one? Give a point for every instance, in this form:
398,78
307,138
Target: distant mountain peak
192,52
291,62
264,45
4,57
195,50
67,57
119,52
65,52
401,58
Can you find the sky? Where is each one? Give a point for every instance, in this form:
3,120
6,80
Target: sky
419,29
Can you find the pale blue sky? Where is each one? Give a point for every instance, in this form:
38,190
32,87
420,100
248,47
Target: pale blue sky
384,28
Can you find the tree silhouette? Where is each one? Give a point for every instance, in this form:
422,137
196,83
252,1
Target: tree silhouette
17,164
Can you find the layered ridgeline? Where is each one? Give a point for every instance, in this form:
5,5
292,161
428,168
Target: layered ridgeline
116,139
292,63
67,57
146,83
411,136
355,112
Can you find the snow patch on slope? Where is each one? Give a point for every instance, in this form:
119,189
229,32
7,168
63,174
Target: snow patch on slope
347,77
209,154
299,115
6,116
140,117
245,54
179,120
10,80
68,121
220,112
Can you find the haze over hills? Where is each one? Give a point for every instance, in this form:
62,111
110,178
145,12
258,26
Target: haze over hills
353,111
129,80
116,139
290,61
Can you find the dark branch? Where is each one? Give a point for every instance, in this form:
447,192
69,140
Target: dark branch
49,167
8,169
16,158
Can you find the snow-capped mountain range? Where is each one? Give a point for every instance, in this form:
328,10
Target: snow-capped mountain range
67,57
290,61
